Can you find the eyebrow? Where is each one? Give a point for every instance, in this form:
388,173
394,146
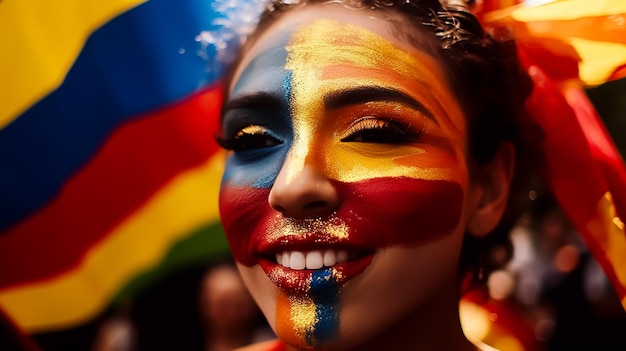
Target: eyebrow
258,100
361,95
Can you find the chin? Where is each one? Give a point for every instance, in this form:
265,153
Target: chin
396,285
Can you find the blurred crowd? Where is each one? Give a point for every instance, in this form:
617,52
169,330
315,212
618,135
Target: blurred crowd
557,287
225,317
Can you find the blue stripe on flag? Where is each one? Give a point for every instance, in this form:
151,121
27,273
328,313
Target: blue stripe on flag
140,60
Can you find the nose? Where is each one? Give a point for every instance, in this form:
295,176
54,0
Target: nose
305,193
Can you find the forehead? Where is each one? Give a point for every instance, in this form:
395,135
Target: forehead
278,35
312,52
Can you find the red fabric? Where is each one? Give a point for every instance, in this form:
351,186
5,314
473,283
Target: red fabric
582,163
507,318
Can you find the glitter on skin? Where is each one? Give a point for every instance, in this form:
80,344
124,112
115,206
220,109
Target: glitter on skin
295,318
302,286
303,315
313,318
331,229
376,213
252,130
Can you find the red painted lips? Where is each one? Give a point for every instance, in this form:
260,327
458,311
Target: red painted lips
373,214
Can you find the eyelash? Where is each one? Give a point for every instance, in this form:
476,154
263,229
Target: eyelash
381,131
365,130
249,138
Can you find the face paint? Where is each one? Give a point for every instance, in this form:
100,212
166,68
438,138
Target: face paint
326,58
405,192
376,213
316,67
311,319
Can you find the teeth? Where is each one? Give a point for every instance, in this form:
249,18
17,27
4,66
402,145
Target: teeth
311,259
297,260
330,258
314,260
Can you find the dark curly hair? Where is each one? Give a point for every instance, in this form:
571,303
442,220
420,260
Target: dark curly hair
486,78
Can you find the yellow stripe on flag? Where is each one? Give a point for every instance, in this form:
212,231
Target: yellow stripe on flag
39,42
569,10
140,242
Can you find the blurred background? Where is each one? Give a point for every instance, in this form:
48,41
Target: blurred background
109,229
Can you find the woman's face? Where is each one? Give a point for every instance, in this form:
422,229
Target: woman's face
345,199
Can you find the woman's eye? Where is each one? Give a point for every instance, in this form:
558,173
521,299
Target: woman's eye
250,138
380,131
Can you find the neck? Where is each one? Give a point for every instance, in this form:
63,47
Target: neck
434,326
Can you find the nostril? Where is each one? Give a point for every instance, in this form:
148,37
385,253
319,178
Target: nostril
313,208
314,205
280,209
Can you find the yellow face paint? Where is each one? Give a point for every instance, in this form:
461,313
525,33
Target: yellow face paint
326,57
300,310
321,72
309,320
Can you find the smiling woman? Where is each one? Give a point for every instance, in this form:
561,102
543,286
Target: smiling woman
369,142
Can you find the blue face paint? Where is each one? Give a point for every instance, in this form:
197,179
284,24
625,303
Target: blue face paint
265,74
324,292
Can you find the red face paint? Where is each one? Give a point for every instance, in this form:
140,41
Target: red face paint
374,214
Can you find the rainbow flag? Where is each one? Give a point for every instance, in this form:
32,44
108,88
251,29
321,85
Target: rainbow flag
109,173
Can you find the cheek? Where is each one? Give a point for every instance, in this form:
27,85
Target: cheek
243,199
393,211
242,211
418,278
255,168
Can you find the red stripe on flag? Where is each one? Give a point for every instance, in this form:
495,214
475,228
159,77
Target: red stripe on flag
136,161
